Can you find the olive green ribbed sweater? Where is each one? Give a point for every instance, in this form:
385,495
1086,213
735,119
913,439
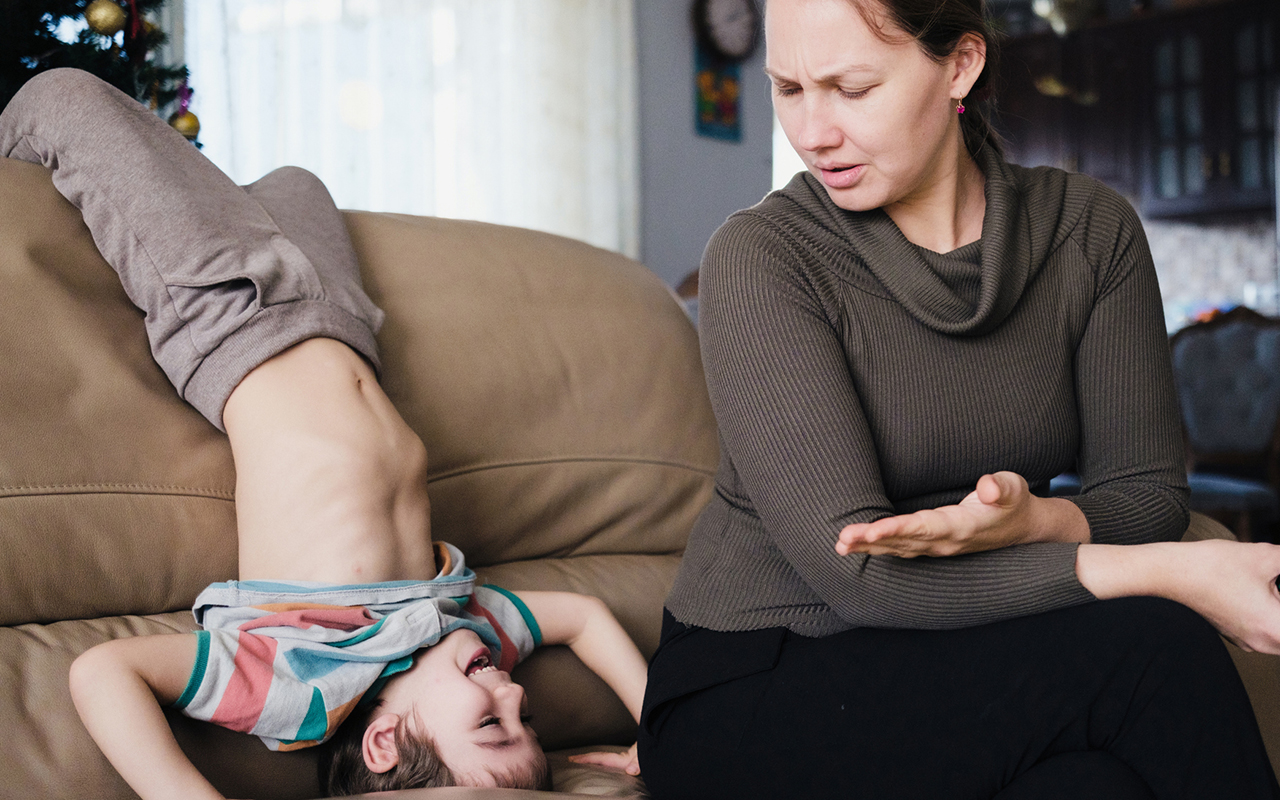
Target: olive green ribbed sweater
855,375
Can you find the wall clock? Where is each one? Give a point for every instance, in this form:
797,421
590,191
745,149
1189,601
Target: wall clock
729,28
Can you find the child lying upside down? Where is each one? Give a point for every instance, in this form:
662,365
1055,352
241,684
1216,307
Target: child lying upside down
348,626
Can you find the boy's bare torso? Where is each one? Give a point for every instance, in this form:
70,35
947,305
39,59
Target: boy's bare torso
330,481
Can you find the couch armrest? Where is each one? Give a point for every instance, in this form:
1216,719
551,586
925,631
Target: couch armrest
1203,527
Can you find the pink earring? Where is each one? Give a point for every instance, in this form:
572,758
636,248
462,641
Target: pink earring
960,106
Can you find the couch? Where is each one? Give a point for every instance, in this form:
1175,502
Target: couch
557,387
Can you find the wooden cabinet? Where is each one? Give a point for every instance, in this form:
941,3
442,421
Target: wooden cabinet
1032,119
1105,121
1177,111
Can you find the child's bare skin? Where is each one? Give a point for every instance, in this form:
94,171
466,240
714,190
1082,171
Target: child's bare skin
331,487
331,484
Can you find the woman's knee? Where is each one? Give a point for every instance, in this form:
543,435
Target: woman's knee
1096,775
1165,623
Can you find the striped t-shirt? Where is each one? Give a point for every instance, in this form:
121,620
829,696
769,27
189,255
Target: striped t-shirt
288,660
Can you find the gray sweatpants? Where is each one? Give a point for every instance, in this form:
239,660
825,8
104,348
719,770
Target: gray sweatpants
228,276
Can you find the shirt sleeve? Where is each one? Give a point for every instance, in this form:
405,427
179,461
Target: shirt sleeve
291,692
791,422
1131,460
512,621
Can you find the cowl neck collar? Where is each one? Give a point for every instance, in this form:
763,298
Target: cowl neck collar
1012,250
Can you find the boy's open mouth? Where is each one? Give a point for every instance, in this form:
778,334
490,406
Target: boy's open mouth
481,662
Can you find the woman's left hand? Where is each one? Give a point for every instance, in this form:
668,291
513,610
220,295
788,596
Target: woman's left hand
1000,512
627,762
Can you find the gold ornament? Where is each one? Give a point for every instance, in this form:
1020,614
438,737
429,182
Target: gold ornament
105,17
185,123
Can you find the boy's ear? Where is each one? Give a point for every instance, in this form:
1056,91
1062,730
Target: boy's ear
379,744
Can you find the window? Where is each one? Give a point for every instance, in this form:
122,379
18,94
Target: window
786,162
519,112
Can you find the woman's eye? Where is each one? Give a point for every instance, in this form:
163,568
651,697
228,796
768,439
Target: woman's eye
525,719
487,721
786,91
853,94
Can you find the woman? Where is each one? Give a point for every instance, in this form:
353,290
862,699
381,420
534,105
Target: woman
902,347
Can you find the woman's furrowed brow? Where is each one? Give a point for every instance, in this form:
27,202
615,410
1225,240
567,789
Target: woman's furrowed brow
834,76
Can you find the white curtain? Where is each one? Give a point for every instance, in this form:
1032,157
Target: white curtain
521,112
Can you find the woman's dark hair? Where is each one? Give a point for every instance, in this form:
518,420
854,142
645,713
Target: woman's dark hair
343,770
937,26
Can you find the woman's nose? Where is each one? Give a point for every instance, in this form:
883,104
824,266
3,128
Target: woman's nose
815,129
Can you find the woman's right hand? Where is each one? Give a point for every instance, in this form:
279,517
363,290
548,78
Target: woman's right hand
999,512
1230,584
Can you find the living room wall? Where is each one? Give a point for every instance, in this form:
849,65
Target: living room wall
689,184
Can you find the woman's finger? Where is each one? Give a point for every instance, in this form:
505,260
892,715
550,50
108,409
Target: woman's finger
603,759
627,761
990,490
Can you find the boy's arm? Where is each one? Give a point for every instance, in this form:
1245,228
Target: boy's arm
119,688
588,626
594,635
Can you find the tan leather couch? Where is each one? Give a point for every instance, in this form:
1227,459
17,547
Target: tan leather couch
558,389
560,395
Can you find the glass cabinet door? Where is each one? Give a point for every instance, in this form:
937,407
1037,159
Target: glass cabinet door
1211,129
1180,161
1254,107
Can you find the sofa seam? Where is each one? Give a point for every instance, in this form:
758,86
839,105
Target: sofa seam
44,490
567,460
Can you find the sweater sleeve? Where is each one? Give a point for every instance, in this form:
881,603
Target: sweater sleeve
1131,460
791,422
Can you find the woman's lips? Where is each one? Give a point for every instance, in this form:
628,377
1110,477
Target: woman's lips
842,177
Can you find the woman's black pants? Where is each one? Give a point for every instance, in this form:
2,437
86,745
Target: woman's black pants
1132,698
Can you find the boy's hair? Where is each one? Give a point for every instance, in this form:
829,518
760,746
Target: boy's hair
344,772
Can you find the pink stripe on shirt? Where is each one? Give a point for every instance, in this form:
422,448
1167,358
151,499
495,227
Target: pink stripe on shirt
510,656
339,618
247,688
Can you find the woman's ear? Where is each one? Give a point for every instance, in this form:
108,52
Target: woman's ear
968,59
379,744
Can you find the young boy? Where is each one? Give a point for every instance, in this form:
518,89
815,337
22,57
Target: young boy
345,609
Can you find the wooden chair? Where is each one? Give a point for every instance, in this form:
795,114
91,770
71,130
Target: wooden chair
1227,372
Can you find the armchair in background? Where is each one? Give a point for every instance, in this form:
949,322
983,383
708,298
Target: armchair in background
1227,372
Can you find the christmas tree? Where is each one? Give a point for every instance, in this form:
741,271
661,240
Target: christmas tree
113,40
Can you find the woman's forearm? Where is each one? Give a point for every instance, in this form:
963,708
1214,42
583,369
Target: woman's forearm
1058,520
1110,571
1230,584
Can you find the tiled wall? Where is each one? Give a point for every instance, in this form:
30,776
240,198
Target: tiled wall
1206,266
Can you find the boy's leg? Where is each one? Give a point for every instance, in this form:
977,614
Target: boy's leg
245,291
227,277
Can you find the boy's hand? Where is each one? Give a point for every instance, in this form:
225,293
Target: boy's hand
627,762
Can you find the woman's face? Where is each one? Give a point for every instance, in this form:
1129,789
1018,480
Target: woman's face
874,120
